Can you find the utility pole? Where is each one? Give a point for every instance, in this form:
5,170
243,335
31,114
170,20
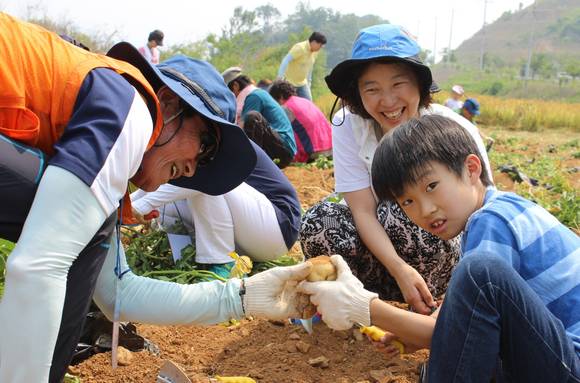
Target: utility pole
483,36
530,46
435,42
450,34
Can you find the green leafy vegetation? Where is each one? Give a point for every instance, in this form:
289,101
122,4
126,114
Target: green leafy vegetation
5,249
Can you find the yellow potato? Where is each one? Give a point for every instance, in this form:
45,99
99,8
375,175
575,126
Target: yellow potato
322,269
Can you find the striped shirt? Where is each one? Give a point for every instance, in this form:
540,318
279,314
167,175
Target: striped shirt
544,252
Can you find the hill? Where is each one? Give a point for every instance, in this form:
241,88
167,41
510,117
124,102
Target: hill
553,25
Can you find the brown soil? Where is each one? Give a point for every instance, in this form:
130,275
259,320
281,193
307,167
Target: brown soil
268,352
260,349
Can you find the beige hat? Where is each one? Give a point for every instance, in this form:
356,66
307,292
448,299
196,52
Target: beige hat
458,89
231,74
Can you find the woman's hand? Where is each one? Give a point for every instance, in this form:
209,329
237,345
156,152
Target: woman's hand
145,219
415,290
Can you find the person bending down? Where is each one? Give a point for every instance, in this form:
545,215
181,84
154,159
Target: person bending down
260,218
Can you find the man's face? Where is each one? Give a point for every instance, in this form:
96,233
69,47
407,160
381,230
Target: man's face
176,158
315,46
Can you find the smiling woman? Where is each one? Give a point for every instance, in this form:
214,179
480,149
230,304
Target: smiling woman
382,85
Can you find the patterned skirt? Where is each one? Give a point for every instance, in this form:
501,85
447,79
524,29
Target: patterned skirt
328,228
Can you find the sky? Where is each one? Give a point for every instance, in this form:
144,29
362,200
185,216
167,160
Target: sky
436,23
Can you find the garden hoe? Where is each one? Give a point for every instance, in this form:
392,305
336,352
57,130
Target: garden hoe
171,373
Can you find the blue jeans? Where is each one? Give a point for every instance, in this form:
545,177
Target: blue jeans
490,318
304,92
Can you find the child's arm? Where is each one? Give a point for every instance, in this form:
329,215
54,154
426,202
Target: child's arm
409,327
345,302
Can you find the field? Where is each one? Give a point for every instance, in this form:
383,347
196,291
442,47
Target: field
271,352
548,162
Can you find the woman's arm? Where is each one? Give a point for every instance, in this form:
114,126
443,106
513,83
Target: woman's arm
363,207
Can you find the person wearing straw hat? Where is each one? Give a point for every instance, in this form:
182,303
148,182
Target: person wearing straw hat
454,102
382,85
75,128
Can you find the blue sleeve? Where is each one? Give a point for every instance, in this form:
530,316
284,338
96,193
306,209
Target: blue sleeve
489,233
99,115
284,65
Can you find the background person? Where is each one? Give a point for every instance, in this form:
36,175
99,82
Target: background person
512,306
382,85
260,218
296,67
312,130
150,50
100,122
261,117
470,109
454,102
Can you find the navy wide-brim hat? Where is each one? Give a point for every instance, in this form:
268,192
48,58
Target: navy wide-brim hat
201,87
385,43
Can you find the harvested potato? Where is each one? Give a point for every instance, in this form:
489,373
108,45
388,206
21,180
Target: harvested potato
322,269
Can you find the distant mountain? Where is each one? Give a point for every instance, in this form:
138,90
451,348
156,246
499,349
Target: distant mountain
554,26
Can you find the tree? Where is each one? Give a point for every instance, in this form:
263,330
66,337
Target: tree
267,16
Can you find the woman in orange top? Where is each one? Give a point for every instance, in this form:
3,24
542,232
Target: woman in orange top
75,128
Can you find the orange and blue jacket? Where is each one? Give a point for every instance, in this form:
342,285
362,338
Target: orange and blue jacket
74,105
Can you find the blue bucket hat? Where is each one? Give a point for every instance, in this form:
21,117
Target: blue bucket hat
472,106
383,42
201,87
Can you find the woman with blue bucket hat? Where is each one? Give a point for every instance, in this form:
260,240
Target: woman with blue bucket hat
75,129
382,85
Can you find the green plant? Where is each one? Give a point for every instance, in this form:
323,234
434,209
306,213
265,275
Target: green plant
6,248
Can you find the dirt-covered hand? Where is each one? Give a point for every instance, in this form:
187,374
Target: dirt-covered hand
415,290
272,293
342,302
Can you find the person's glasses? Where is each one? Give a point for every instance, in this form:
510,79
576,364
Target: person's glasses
209,146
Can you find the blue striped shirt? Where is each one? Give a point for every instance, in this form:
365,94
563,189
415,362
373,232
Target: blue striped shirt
544,252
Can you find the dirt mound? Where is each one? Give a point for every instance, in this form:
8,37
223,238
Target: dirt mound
265,351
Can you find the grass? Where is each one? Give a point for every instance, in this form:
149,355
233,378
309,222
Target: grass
512,114
550,159
5,249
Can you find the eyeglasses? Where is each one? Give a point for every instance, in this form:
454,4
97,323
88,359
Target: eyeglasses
210,141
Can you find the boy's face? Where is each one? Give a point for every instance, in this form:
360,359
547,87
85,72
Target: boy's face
441,202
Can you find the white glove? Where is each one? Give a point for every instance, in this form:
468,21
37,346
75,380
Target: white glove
342,302
272,293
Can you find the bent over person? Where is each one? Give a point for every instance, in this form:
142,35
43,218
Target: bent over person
75,128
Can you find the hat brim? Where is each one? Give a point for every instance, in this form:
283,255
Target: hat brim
340,77
235,158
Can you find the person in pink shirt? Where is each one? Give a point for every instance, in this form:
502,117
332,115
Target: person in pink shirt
150,51
311,128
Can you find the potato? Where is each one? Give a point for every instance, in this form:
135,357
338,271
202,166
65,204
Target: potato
322,269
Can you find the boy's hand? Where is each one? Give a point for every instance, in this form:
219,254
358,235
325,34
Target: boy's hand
415,290
342,302
385,345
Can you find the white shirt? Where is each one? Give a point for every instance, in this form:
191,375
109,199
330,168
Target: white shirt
354,144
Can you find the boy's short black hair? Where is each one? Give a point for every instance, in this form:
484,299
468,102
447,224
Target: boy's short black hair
353,100
282,89
405,153
318,37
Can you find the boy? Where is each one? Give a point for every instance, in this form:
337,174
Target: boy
512,308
